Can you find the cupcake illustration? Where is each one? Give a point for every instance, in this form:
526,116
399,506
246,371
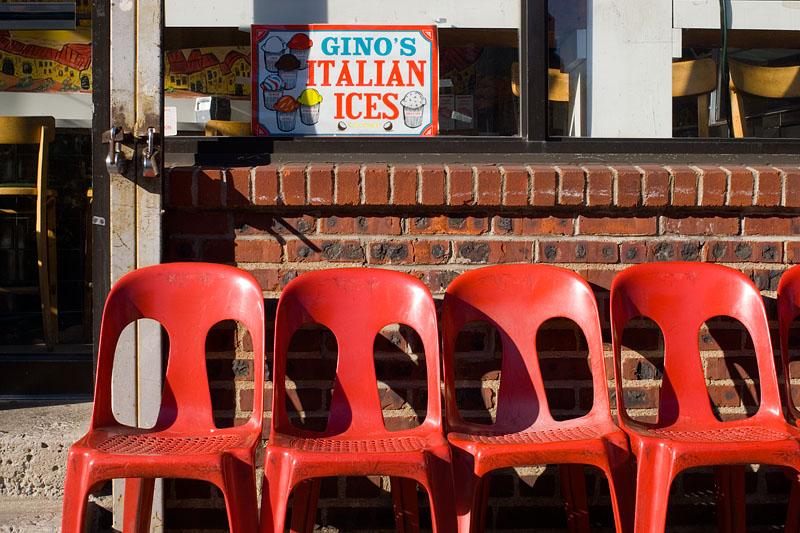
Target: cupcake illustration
286,112
273,48
287,66
309,101
299,46
271,90
413,105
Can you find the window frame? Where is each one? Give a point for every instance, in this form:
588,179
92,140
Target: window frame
533,144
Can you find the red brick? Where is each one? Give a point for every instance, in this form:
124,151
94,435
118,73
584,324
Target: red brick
218,251
257,251
641,397
578,252
684,186
598,186
431,252
289,225
771,225
633,252
598,277
265,185
572,183
324,250
361,225
740,190
267,278
629,186
792,186
724,395
180,186
448,225
293,185
390,253
405,185
180,250
740,251
238,187
209,187
768,192
433,178
793,252
320,185
483,252
674,251
656,186
617,225
177,223
489,185
461,186
436,280
545,182
516,186
376,185
702,225
550,225
715,183
346,179
246,399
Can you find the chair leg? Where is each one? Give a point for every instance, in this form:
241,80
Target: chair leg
138,504
573,490
621,485
472,493
793,511
304,505
729,481
239,489
654,476
441,491
406,506
275,492
77,486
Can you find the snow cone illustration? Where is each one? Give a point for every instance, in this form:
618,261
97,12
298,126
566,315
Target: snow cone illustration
273,48
287,66
299,46
413,105
309,101
271,90
286,112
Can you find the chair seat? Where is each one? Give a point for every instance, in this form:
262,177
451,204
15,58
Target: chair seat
387,445
532,437
163,445
721,435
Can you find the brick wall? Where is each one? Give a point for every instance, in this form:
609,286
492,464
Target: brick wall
436,221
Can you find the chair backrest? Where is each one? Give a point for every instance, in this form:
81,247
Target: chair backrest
679,297
693,77
788,310
355,304
188,299
557,83
30,130
769,82
517,300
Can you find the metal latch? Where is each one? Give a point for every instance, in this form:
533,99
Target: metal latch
150,156
115,160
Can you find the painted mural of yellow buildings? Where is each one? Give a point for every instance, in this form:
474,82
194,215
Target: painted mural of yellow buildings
70,65
202,72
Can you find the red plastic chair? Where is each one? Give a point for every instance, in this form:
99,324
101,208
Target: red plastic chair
187,299
355,304
788,310
680,297
517,300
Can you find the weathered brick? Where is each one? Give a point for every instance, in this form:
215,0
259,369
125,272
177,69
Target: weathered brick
674,251
597,277
770,225
237,187
769,180
572,183
629,186
792,185
257,250
633,252
346,180
578,252
433,182
267,278
545,186
741,251
692,225
320,185
324,250
547,225
517,179
740,191
489,185
376,185
684,186
265,185
448,225
617,225
461,185
180,186
361,225
209,187
715,182
598,186
293,185
793,252
656,186
390,252
431,252
405,185
482,252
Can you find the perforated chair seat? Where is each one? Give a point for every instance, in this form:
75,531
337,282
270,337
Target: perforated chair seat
165,445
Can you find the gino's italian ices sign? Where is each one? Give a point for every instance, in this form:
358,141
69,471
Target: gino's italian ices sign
344,80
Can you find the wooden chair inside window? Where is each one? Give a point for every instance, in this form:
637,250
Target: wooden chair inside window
767,82
557,83
22,191
696,77
227,128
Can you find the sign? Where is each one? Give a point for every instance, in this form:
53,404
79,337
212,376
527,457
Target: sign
345,80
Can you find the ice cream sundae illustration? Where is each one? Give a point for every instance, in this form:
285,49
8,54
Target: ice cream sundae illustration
271,90
300,46
413,105
309,101
287,66
273,48
286,112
